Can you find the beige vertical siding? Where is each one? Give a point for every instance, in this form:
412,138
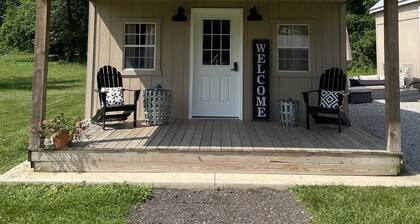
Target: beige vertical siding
409,38
327,31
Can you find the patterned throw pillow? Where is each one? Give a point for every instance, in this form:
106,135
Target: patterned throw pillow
114,96
329,99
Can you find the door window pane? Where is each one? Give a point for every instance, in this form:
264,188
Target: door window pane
226,27
206,57
225,57
216,42
226,42
207,26
215,57
216,27
206,42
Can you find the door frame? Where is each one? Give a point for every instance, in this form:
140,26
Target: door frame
201,11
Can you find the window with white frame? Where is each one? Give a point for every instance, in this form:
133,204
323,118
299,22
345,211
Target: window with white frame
140,46
293,47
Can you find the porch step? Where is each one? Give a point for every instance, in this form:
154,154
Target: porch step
288,162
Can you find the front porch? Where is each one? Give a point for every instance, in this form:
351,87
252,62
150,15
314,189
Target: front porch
219,145
224,146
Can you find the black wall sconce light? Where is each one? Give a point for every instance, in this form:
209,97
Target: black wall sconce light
253,15
180,17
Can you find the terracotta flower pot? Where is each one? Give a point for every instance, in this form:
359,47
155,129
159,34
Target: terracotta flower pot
62,140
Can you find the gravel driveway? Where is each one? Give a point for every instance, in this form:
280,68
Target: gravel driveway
371,118
258,206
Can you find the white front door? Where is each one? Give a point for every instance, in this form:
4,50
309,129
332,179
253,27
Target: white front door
217,63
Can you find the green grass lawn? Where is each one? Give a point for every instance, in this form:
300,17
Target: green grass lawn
43,203
361,71
66,91
374,205
69,203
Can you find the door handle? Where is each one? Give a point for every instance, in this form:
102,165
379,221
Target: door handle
235,67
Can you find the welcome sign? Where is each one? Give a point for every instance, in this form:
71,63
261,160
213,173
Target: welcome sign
261,82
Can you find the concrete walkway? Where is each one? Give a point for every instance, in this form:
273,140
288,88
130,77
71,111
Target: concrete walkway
23,174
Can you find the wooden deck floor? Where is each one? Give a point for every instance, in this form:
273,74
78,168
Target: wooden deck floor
227,135
225,146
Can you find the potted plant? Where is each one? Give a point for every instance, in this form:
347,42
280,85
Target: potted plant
61,130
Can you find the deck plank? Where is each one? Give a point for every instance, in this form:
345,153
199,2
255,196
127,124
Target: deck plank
151,131
102,143
179,136
234,134
226,141
253,136
161,133
274,139
216,138
317,132
312,138
345,141
123,144
138,138
259,129
207,135
103,135
198,134
164,144
189,134
302,136
274,129
244,137
118,139
351,142
367,139
288,139
92,132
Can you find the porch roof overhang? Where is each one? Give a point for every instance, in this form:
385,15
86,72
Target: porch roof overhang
379,6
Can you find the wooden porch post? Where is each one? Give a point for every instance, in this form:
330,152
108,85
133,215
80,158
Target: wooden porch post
392,100
39,82
91,56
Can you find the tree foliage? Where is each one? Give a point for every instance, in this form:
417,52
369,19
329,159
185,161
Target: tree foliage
17,31
4,4
68,28
361,27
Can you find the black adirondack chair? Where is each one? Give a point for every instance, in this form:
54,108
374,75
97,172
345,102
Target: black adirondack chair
109,76
332,79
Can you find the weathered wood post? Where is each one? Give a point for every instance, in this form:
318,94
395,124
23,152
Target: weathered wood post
90,78
392,92
39,82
